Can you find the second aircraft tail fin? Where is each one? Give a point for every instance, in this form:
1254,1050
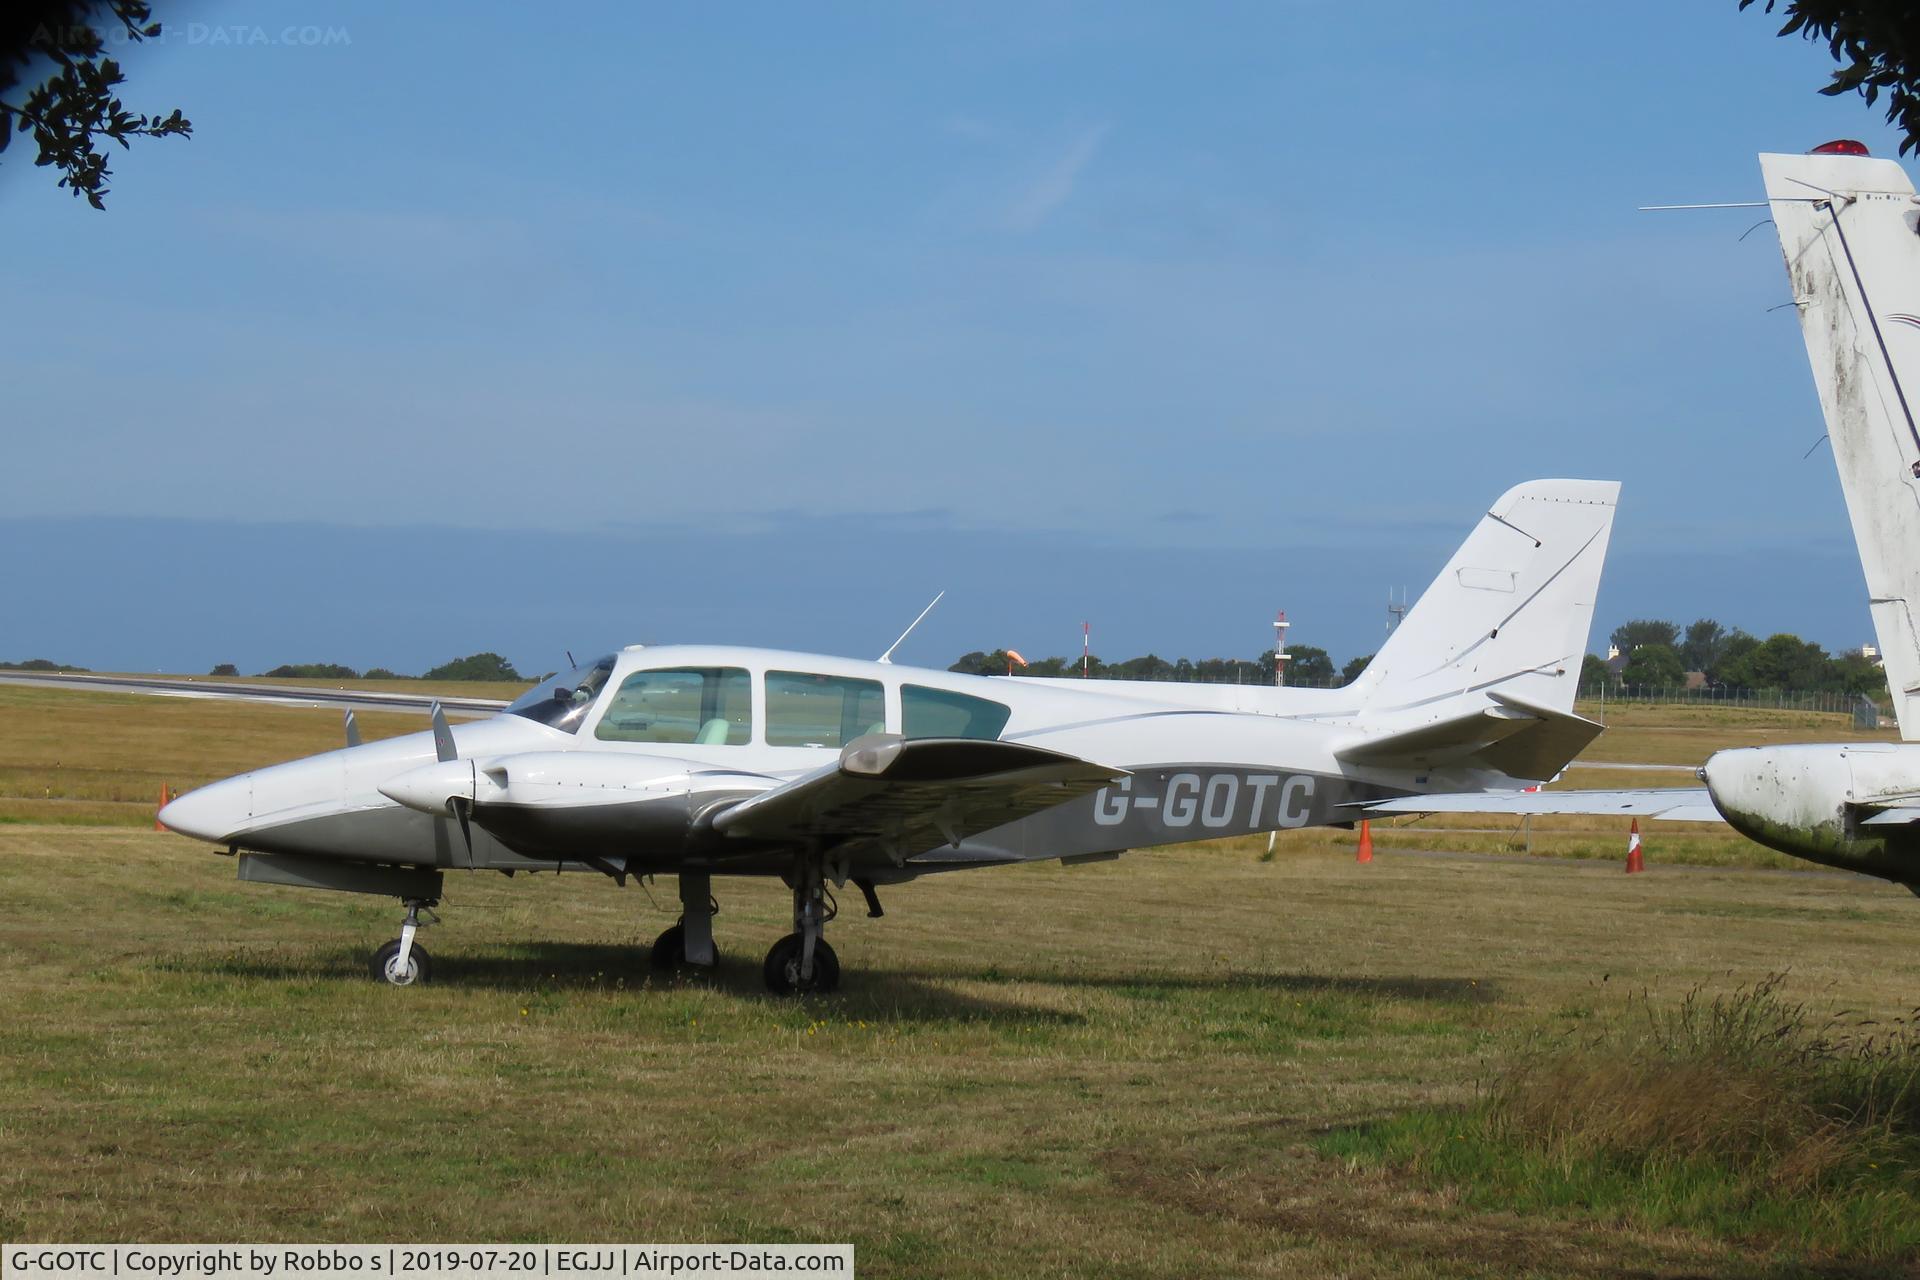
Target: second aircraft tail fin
1850,229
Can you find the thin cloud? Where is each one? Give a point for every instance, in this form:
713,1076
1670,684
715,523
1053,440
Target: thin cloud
1038,201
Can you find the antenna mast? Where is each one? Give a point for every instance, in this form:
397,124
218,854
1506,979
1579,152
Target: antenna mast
1280,654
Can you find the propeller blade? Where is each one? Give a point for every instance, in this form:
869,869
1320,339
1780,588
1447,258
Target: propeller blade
442,735
463,809
353,729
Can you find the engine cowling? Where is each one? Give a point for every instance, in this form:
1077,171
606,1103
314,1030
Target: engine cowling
566,805
1811,800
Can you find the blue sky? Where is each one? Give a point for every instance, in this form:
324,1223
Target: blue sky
474,329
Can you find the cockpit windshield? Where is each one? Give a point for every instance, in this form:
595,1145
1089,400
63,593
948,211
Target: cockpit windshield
563,700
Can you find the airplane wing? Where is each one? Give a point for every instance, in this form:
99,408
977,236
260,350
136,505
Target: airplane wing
1671,804
903,797
1518,738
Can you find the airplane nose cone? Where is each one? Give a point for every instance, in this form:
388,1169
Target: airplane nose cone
213,812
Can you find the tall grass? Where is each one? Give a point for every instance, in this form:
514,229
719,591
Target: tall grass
1746,1114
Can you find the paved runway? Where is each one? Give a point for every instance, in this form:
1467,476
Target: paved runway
285,695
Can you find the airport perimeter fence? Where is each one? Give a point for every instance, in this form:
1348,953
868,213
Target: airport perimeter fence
1854,704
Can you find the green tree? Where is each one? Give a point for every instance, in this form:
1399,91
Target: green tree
1629,636
1654,664
381,673
1351,672
1593,671
477,666
74,111
1779,662
1854,672
1701,649
1732,659
1148,667
1310,667
225,669
312,671
1876,43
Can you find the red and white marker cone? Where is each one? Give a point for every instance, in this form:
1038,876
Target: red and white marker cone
165,796
1365,853
1634,861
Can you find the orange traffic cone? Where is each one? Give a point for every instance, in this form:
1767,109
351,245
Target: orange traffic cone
164,797
1634,861
1366,842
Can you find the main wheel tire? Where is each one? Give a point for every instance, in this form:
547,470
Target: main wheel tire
386,965
669,949
782,970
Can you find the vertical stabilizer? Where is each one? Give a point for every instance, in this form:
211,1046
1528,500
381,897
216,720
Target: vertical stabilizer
1509,614
1850,229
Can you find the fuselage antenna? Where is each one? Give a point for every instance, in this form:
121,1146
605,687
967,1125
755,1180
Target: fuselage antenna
888,655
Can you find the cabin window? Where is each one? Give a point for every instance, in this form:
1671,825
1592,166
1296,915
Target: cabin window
938,713
822,711
704,706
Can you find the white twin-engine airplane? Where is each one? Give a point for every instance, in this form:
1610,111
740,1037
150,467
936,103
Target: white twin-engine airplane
704,761
1849,226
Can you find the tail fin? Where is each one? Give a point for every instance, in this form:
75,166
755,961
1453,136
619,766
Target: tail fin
1506,621
1850,229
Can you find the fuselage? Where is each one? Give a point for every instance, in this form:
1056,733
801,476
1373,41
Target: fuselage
631,757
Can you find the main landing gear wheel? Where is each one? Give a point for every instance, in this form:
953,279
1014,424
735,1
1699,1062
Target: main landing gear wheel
782,970
388,968
670,950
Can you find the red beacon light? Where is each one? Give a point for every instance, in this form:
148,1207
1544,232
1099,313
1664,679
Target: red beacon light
1840,147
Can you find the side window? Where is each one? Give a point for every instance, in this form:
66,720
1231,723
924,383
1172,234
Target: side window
936,713
708,706
821,711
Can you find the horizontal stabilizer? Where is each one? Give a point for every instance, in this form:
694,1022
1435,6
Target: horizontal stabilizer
1898,817
1518,739
904,797
1671,804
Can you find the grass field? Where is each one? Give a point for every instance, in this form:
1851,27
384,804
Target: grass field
1140,1068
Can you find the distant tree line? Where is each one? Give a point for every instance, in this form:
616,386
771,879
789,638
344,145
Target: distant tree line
474,667
39,664
1658,652
1306,666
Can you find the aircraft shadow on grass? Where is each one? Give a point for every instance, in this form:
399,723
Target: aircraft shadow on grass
896,995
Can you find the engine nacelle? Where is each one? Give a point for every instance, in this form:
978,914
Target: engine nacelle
553,804
1810,800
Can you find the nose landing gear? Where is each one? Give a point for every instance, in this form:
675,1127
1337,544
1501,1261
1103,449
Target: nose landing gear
400,963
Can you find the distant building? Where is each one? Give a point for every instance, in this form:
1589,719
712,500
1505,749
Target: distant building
1871,652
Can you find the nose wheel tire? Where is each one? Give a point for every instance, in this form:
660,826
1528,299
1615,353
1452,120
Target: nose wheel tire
782,970
387,967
